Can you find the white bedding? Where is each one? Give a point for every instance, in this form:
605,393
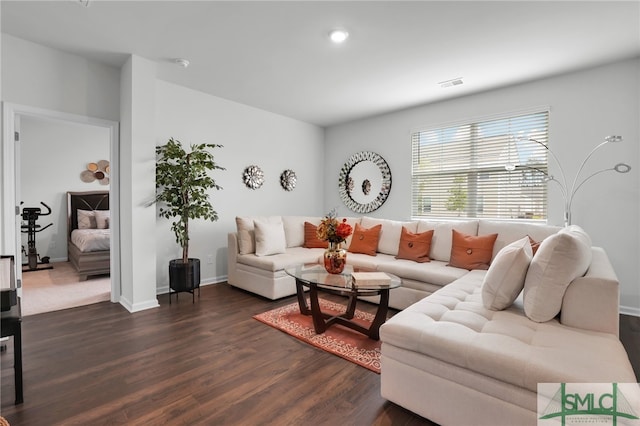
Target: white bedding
88,240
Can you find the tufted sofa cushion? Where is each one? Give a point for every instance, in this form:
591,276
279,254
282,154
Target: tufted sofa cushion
453,326
434,272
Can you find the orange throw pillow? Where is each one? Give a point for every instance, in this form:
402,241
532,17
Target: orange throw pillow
365,240
311,239
534,245
415,247
470,251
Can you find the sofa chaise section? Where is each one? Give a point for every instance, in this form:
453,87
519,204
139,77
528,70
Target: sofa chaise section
453,361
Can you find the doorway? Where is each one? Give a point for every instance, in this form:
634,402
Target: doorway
48,160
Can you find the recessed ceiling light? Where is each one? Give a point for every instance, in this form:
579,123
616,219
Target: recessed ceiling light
338,36
181,62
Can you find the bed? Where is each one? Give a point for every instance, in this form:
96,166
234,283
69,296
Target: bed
88,232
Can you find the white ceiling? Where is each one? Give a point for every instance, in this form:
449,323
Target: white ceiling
276,55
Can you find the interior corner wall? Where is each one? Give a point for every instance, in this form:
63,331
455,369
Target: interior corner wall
137,188
585,106
250,136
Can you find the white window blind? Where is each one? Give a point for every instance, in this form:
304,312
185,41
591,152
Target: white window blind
484,169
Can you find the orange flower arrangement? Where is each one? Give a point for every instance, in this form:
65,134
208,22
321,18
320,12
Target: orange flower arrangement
332,230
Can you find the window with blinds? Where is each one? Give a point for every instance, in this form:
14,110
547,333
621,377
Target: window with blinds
495,168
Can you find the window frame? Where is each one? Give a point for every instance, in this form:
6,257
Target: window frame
467,148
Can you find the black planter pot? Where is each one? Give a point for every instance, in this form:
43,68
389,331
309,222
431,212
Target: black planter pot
184,276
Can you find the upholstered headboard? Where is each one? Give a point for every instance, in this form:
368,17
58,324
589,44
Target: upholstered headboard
90,200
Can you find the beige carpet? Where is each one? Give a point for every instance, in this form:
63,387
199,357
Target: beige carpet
59,288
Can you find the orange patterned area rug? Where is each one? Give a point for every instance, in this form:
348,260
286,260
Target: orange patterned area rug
338,340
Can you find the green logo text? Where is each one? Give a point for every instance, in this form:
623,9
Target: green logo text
612,404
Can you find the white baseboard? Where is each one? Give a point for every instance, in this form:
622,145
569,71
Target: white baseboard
140,306
209,281
627,310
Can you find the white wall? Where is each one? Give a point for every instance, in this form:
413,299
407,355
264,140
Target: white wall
36,75
585,107
250,137
53,154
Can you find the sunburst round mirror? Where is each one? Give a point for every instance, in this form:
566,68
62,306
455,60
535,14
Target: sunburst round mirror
364,182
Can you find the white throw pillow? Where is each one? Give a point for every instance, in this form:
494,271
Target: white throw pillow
389,234
294,229
270,238
245,227
561,258
86,219
102,219
505,278
246,239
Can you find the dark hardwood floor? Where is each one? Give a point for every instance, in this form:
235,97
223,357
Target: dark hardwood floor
630,337
186,364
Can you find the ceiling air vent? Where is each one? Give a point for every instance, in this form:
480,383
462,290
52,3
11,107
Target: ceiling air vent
453,82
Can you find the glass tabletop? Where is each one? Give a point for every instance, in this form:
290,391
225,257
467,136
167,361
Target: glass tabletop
316,274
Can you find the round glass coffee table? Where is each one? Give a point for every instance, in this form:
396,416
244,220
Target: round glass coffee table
316,278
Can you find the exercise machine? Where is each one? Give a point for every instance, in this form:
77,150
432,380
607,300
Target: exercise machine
30,215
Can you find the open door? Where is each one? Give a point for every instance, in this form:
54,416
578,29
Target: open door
15,118
18,216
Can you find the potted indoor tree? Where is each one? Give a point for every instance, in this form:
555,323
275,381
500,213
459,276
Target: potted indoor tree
182,191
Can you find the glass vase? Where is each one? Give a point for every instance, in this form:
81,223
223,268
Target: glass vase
335,258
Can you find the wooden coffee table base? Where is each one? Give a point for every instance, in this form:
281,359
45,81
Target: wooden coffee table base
322,320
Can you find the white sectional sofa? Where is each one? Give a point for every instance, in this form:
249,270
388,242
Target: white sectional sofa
265,276
446,356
